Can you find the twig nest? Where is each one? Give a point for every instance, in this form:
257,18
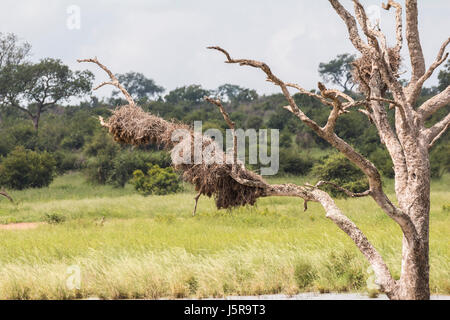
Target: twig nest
212,177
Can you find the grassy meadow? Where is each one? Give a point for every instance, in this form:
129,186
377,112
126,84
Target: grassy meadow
152,247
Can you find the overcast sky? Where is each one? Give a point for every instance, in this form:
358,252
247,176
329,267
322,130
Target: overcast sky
166,39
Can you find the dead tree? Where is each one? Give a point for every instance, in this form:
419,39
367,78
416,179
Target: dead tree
408,142
219,175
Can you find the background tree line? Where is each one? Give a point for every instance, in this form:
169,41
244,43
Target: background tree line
43,133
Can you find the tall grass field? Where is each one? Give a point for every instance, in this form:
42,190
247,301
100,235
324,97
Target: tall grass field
129,246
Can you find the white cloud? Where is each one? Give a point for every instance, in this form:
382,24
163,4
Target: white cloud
166,40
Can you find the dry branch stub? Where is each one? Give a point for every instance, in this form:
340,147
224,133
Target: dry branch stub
6,195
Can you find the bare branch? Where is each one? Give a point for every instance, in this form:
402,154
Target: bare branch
361,162
311,193
310,94
438,136
114,82
333,213
272,78
435,103
102,122
346,191
196,202
413,39
435,132
398,23
416,87
103,84
374,50
225,115
230,123
333,94
350,22
362,20
332,119
6,195
367,101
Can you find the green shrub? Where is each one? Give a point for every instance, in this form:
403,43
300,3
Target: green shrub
124,164
382,160
161,158
24,135
73,141
285,139
440,160
24,168
54,218
339,170
294,163
67,161
98,169
101,143
156,181
117,168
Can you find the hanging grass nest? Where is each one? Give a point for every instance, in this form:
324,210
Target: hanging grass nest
231,184
131,125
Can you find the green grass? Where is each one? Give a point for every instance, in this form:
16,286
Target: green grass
151,247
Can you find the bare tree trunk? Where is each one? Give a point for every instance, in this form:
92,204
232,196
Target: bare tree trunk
412,186
35,120
415,200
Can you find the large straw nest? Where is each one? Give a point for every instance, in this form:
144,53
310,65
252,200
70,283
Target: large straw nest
362,69
130,124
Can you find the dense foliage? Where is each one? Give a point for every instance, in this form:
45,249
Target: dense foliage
339,170
156,181
24,168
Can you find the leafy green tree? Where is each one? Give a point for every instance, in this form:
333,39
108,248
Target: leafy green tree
338,71
139,86
187,94
12,51
236,94
24,168
21,134
35,87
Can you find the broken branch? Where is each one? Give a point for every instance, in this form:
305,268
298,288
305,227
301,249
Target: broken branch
114,82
